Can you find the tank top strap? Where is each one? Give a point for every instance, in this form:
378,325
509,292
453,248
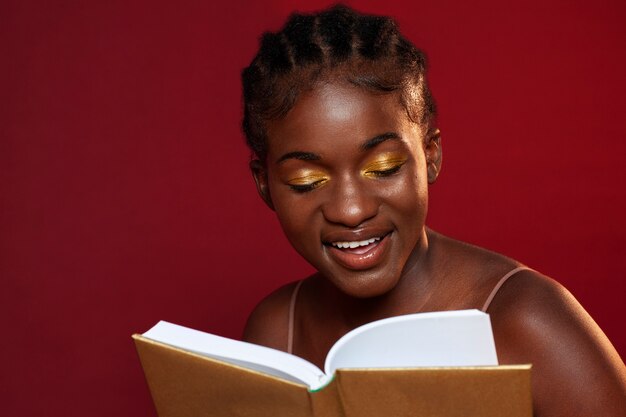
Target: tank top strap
500,283
292,313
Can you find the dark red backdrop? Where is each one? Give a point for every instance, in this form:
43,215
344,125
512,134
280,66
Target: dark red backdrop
125,196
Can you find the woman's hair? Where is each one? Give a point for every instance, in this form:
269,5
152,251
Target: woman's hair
337,44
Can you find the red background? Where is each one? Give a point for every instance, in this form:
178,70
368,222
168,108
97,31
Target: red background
125,196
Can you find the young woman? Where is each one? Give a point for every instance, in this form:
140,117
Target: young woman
343,131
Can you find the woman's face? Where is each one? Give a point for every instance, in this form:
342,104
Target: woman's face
346,173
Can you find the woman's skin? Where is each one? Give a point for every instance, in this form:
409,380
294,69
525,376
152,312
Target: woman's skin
347,165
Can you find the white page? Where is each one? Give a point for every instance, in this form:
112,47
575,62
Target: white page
266,360
444,338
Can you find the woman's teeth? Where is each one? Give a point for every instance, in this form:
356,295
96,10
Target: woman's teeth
352,245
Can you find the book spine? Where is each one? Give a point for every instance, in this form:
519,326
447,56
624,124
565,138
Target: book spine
326,402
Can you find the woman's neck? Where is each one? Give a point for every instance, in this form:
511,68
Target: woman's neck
414,289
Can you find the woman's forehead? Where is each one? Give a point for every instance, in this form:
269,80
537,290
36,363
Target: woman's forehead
336,113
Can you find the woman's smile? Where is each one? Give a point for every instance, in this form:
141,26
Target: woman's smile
359,255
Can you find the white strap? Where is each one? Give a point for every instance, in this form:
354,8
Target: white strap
292,309
500,284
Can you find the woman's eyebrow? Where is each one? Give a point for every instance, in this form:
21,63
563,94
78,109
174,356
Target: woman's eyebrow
367,145
303,156
378,139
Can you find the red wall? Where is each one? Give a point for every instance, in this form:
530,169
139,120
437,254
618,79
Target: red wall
125,196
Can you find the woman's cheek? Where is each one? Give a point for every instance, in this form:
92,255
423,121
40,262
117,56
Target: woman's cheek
295,219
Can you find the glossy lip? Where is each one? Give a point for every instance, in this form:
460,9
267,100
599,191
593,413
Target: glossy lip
361,261
353,235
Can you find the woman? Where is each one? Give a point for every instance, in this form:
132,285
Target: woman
343,130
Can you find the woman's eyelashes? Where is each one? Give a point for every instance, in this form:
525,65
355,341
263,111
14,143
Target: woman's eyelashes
303,188
383,172
305,183
384,166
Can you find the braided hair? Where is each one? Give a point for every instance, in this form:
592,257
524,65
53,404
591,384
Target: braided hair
337,44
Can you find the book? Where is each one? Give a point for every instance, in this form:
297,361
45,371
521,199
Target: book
443,338
400,365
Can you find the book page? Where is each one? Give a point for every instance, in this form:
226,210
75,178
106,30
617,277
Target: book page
247,355
444,338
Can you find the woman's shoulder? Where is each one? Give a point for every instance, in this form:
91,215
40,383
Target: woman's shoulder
537,320
268,324
524,300
471,271
519,292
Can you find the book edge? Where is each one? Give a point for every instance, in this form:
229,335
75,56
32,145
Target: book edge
472,312
232,351
139,337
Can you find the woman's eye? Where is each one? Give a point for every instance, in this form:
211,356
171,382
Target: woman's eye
385,165
384,172
303,188
384,169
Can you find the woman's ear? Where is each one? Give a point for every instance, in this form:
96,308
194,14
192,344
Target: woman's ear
259,172
432,150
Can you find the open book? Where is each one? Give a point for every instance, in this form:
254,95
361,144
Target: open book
437,339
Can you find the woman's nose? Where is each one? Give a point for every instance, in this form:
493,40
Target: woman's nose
350,203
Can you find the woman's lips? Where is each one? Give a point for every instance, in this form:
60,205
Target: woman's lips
359,255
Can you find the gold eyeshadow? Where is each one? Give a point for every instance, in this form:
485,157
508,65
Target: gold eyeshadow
307,178
384,163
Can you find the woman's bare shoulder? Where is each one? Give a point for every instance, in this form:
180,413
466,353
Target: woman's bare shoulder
474,270
576,370
268,323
